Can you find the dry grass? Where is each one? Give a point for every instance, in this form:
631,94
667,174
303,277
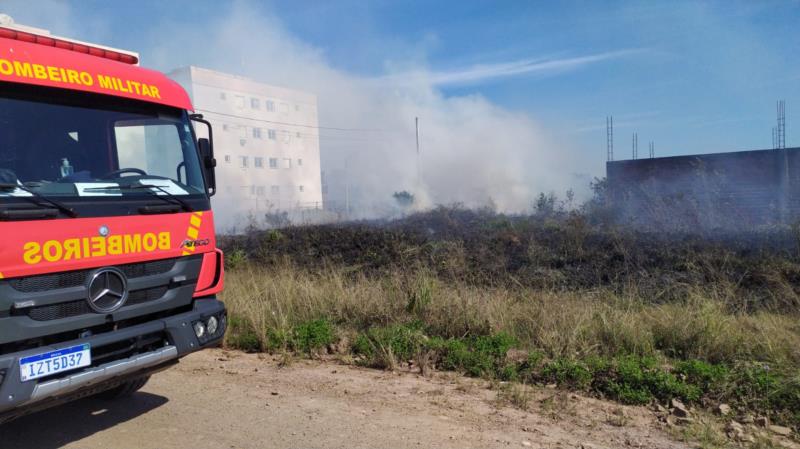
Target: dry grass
706,432
558,405
636,317
514,394
269,301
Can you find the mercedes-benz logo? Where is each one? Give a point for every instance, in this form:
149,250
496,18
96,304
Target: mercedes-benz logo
108,290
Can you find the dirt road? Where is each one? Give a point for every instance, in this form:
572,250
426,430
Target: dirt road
218,399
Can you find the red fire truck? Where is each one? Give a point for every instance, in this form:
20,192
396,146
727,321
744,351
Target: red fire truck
109,269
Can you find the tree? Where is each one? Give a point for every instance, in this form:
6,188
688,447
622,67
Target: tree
404,199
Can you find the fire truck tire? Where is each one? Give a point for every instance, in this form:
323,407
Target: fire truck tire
126,389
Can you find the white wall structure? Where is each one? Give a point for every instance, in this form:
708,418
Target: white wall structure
266,141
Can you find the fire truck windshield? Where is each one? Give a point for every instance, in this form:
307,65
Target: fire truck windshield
77,147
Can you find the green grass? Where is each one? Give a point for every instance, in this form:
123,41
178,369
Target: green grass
313,335
386,347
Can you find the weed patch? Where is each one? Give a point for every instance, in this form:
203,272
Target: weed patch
314,335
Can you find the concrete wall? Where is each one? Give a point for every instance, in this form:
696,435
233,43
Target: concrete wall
728,190
266,142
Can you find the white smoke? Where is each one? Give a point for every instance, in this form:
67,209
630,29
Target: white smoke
472,151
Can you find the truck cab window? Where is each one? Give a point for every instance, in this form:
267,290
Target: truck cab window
152,146
61,147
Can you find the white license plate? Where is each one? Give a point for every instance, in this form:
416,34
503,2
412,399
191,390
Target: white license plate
54,362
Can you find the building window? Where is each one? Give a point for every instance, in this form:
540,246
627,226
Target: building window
287,137
271,134
275,190
258,162
299,162
261,191
287,163
300,188
222,96
242,142
270,106
255,103
256,133
225,127
297,134
273,162
228,158
243,161
239,101
297,107
252,190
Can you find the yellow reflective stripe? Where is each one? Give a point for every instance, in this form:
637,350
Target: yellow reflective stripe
193,231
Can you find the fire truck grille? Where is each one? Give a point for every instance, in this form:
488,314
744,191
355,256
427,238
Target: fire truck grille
45,282
57,311
146,295
81,307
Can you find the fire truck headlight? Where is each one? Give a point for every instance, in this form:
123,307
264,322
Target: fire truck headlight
212,325
199,329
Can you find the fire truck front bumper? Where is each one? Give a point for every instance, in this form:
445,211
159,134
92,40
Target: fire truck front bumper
116,357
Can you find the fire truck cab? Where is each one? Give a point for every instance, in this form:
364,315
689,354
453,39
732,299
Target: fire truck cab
109,269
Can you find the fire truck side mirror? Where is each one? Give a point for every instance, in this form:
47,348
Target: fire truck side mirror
206,148
209,163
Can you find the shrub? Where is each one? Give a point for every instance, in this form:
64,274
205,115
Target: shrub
774,390
240,335
639,380
384,347
454,355
235,258
509,372
568,373
278,339
704,375
314,335
482,356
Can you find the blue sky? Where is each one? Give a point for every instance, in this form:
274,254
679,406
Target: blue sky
691,76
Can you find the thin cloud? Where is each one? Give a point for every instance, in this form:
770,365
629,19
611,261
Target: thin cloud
485,72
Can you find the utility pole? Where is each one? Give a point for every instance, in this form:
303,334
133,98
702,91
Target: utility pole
347,185
419,164
610,138
780,133
774,138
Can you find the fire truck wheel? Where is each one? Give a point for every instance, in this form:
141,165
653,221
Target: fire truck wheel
126,389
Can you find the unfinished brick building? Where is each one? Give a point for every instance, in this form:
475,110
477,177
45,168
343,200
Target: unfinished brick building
721,190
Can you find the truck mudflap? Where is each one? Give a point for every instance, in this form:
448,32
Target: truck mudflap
167,340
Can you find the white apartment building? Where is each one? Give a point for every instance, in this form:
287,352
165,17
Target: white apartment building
266,141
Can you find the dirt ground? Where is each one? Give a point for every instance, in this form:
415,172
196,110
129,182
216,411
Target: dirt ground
219,399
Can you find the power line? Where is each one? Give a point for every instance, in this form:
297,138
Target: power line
331,128
299,134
